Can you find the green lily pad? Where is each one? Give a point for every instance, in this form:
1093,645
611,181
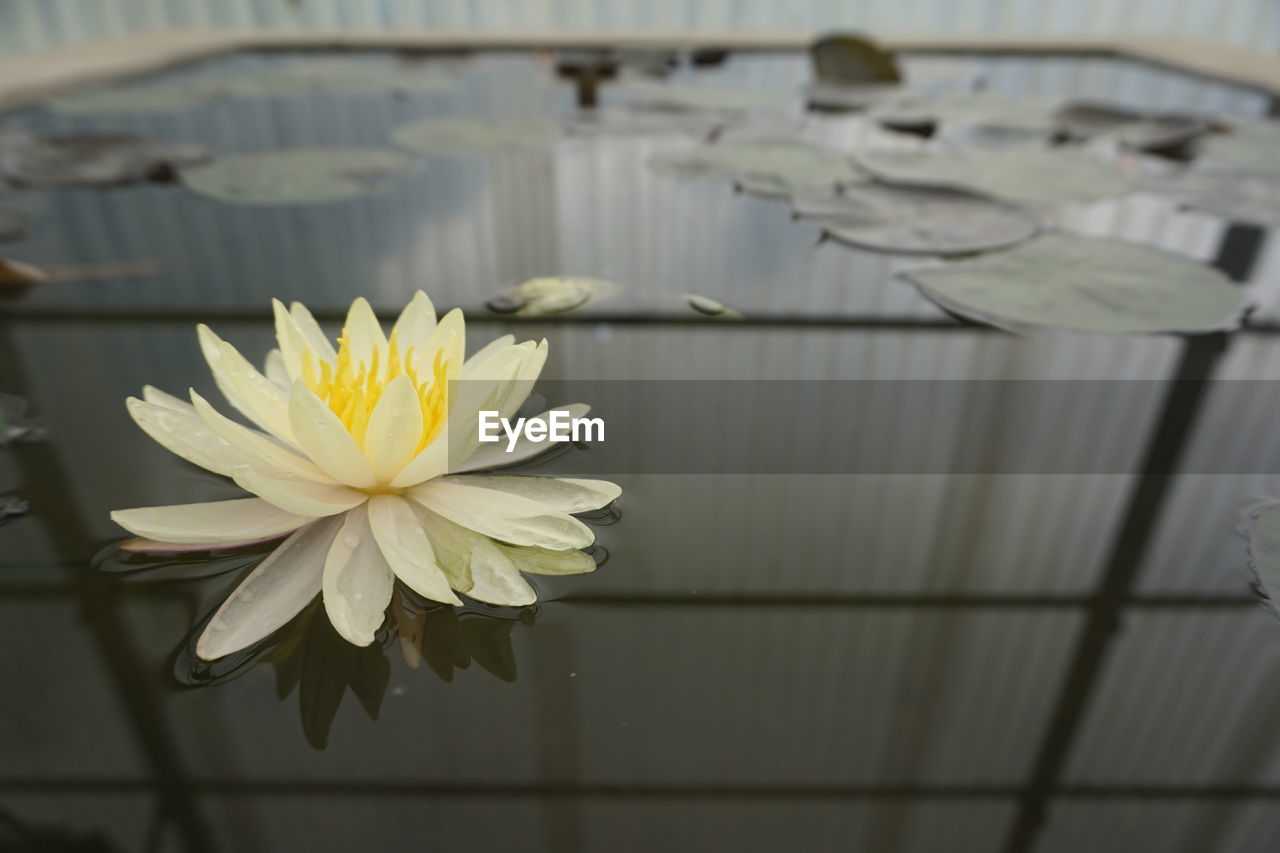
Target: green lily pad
650,95
1238,197
775,167
1046,175
1141,131
1262,527
852,58
550,295
1253,147
297,175
335,77
1087,284
92,159
916,220
1029,115
470,135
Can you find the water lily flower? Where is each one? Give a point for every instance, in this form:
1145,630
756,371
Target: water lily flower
365,458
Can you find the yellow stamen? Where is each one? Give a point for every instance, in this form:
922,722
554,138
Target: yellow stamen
351,389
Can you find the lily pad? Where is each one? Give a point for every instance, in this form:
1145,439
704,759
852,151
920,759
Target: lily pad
916,220
297,175
1047,175
276,79
92,159
647,94
1262,527
153,98
471,135
13,226
1238,197
1086,284
775,167
1028,115
1252,147
852,58
1142,131
550,295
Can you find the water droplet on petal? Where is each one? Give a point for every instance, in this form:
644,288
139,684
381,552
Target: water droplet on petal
351,540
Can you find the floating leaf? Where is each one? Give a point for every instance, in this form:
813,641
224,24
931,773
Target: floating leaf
1251,147
297,175
551,295
277,79
1142,131
1089,284
1049,175
916,220
849,97
766,166
852,58
1262,527
92,159
1239,197
475,135
647,94
712,308
1029,115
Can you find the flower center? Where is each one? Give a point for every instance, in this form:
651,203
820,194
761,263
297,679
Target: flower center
351,389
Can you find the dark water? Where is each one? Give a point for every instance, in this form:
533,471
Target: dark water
882,662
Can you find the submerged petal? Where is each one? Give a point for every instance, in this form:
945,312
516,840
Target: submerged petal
357,581
217,521
406,548
563,493
273,593
502,516
539,561
323,437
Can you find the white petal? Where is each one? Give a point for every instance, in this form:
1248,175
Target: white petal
502,516
317,341
406,548
139,545
273,368
563,493
155,396
449,335
539,561
357,581
429,464
495,579
303,497
276,591
293,344
217,521
496,455
395,429
251,393
181,431
325,440
481,355
530,370
451,545
363,333
258,450
416,322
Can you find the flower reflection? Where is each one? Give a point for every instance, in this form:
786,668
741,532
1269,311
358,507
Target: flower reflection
365,459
